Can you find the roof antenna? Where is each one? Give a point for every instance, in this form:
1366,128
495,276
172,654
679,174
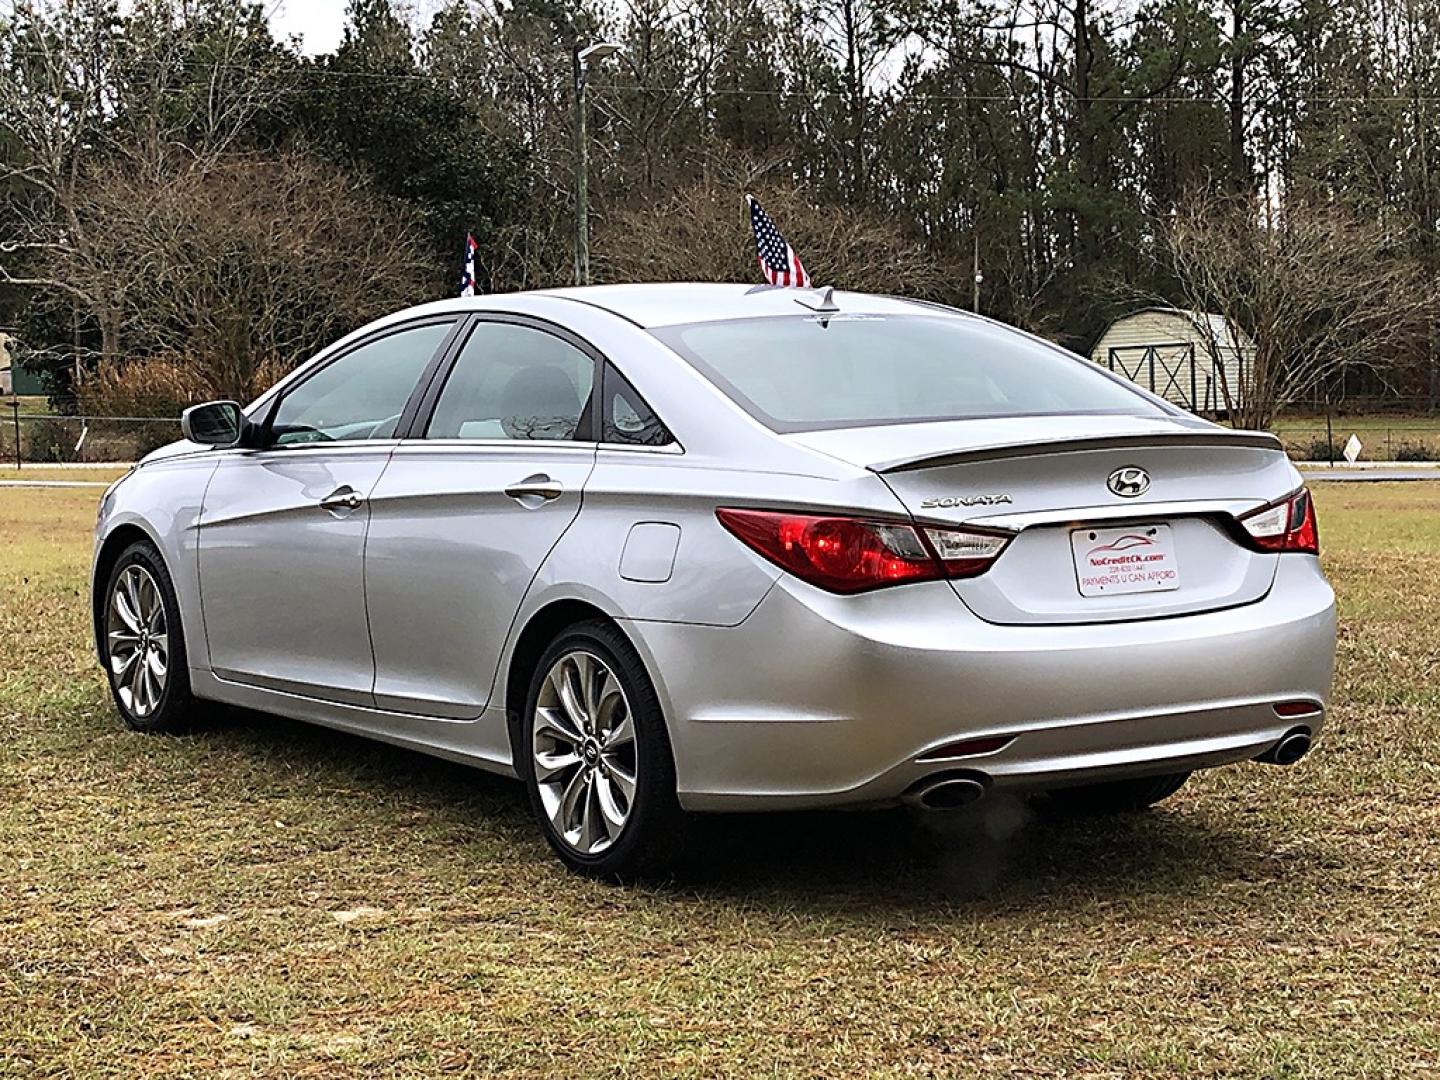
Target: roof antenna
827,303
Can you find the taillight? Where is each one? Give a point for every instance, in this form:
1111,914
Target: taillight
964,553
1288,525
851,555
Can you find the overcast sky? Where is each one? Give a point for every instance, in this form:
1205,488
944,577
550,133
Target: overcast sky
316,22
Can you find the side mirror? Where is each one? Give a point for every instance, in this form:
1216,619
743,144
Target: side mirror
216,423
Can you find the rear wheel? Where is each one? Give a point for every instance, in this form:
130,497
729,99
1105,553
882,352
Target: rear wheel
595,757
142,643
1116,796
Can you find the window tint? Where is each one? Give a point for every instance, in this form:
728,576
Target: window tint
514,382
362,394
626,418
797,373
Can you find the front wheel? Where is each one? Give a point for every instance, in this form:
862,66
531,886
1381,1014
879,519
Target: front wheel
142,643
595,757
1117,796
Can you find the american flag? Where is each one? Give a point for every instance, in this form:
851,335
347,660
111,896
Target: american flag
467,274
778,261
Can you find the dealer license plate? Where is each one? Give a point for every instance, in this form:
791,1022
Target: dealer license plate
1133,559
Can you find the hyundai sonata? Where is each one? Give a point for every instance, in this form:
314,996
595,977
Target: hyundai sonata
660,549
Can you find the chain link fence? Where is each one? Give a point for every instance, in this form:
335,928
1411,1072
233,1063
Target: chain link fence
1380,440
47,438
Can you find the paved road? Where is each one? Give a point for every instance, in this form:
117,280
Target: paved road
1324,474
54,483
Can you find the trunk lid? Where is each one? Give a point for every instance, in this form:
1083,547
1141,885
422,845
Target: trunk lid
1045,480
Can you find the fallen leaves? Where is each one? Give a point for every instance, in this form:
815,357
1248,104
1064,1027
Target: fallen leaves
344,918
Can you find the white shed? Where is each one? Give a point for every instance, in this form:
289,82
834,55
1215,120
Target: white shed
1179,355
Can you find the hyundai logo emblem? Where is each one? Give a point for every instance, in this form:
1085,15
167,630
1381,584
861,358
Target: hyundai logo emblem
1129,482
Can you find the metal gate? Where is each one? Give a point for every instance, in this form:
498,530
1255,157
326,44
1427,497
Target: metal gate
1171,370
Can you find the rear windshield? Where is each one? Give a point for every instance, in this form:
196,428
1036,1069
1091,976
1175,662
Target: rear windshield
805,373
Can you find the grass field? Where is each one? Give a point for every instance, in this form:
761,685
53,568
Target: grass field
266,899
30,404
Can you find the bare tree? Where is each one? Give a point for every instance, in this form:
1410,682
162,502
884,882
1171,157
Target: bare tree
240,264
52,102
1319,290
703,233
673,47
192,83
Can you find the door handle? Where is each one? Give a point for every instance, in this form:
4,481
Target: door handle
342,498
537,486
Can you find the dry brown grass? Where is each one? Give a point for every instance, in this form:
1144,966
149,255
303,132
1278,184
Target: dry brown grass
164,386
264,898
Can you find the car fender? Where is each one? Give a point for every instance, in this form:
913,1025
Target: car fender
163,500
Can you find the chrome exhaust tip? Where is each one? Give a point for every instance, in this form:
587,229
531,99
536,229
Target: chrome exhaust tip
945,792
1293,746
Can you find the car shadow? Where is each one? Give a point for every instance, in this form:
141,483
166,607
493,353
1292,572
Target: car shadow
999,854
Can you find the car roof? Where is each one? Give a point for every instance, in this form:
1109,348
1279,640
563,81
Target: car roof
672,303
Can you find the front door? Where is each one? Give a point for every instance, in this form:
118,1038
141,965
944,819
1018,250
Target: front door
465,515
282,532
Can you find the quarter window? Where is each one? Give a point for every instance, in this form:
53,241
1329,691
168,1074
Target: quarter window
362,394
626,418
515,382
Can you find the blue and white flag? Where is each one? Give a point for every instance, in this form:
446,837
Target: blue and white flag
467,275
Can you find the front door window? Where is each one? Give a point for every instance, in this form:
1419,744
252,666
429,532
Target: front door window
362,394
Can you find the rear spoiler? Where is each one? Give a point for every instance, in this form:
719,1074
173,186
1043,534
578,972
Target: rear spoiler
1255,439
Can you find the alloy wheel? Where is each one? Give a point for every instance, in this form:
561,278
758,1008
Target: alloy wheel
138,641
583,752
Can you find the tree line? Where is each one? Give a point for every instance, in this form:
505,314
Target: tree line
187,198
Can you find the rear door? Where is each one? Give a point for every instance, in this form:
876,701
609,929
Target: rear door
468,510
282,531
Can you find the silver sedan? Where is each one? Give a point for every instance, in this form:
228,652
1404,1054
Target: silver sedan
660,549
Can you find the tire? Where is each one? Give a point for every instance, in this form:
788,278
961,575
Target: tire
1117,796
577,756
139,621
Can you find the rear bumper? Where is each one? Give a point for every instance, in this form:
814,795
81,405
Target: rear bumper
820,700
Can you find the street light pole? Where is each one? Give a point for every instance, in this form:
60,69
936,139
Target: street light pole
580,60
582,175
979,277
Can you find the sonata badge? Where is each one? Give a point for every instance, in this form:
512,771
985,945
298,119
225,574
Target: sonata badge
945,502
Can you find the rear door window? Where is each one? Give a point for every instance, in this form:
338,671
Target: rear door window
515,382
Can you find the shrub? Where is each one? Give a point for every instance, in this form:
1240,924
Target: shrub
1317,449
48,440
164,386
158,386
161,387
1419,451
227,260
